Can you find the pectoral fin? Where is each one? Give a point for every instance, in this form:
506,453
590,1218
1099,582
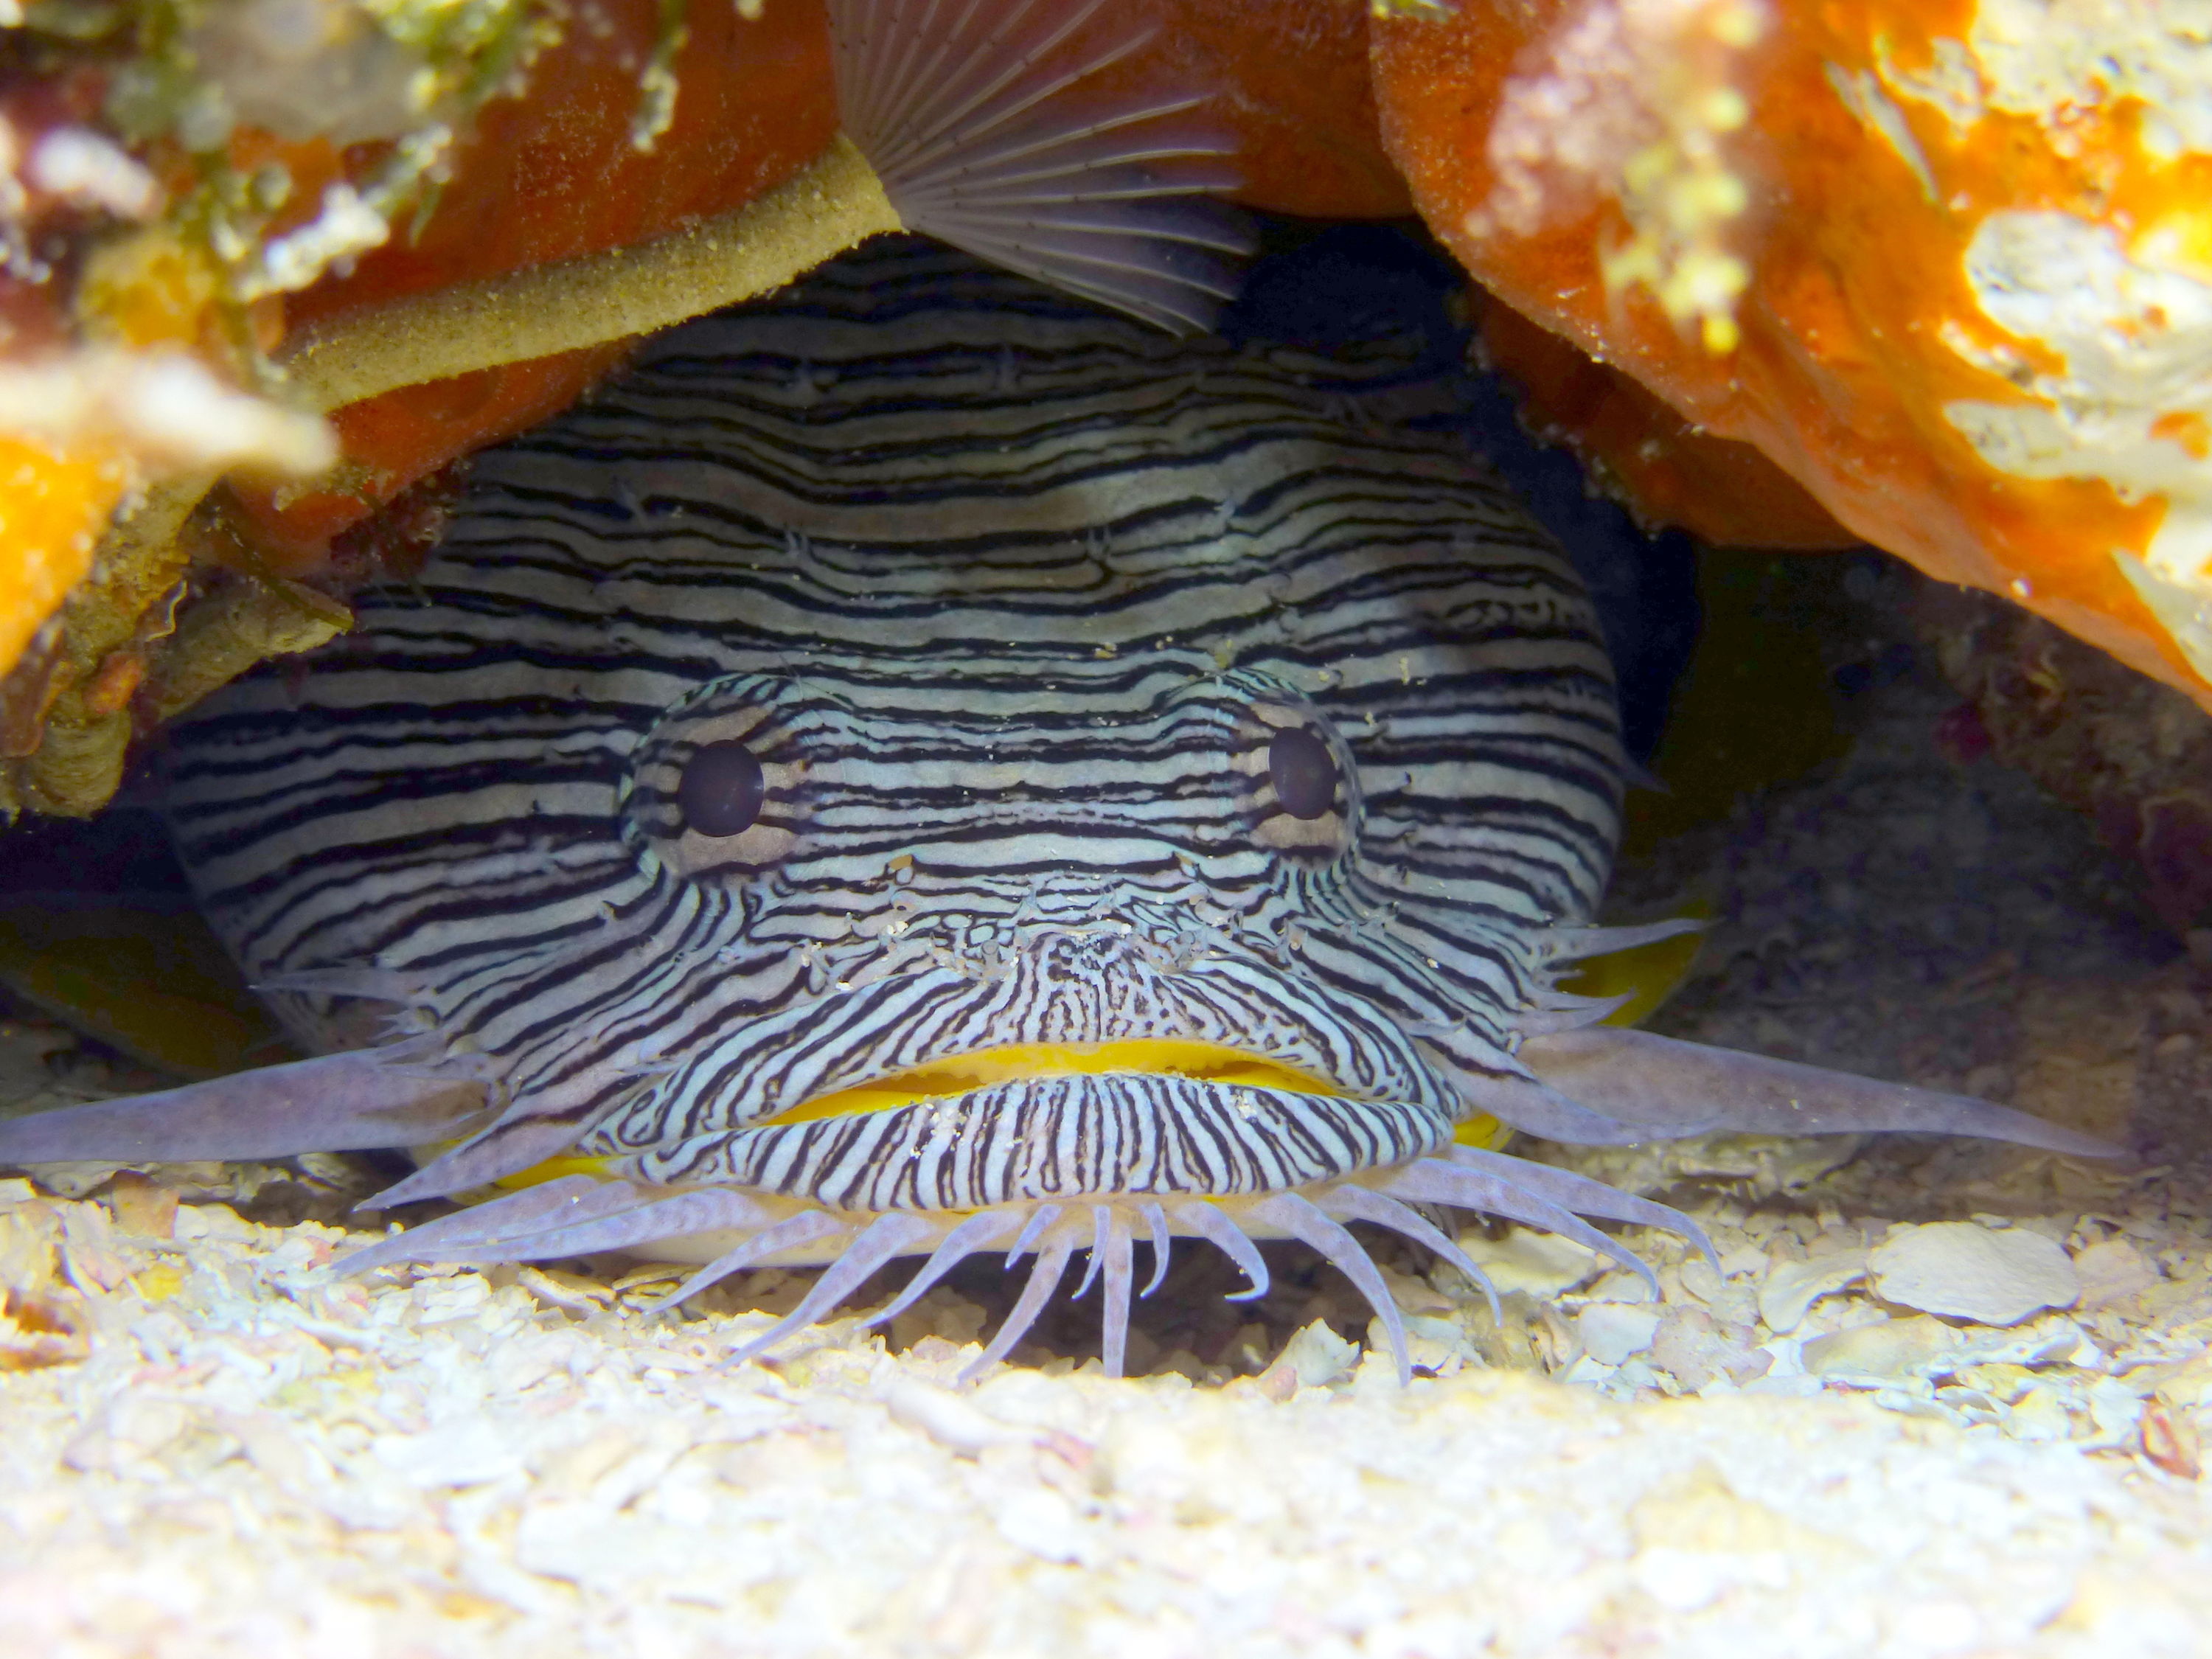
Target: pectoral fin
336,1103
1669,1089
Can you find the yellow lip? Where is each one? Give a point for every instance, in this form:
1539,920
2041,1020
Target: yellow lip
959,1074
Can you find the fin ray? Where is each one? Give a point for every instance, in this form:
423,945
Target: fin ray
1573,944
978,1233
1432,1180
965,114
1585,1196
1354,1202
1116,1247
1304,1221
1216,1227
1667,1088
1045,1274
886,1236
348,1102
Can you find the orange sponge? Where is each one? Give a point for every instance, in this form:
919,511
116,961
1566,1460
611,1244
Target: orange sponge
1949,265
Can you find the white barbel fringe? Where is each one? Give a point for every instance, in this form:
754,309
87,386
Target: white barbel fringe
581,1214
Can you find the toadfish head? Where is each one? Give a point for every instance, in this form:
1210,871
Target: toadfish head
926,769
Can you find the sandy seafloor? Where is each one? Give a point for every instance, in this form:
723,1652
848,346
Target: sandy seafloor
215,1447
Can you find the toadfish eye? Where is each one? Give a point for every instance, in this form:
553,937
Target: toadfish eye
721,791
1304,772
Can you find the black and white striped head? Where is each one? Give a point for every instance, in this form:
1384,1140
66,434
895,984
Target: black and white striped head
927,747
1142,850
924,767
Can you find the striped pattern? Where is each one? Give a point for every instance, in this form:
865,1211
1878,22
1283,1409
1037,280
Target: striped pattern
1009,597
1067,1137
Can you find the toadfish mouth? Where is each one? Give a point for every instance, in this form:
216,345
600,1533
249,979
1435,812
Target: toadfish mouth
1035,1122
955,1075
1039,1151
1114,1123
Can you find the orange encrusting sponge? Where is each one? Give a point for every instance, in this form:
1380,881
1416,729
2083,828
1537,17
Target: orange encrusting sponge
548,176
54,502
1951,279
1667,471
555,174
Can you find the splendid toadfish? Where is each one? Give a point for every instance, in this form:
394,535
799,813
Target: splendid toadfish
927,766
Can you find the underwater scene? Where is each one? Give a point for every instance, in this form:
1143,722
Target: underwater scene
1369,827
